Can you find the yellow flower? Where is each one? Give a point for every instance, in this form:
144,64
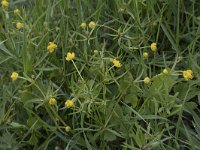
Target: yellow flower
16,11
145,55
19,25
70,56
52,101
69,103
67,128
51,47
14,76
116,63
165,71
92,25
96,52
154,47
147,80
188,74
83,25
5,3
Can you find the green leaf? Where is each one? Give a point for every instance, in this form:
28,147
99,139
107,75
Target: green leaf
190,106
131,98
139,137
17,125
33,139
108,136
162,84
125,83
181,89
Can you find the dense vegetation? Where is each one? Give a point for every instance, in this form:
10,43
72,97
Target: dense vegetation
100,74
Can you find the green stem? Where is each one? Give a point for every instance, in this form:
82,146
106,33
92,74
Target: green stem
78,71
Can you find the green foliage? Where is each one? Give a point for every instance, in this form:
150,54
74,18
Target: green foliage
112,107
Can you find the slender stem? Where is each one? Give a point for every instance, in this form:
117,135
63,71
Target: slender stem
56,114
177,28
33,83
78,71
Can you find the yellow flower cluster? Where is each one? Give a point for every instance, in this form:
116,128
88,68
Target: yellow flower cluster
147,80
67,128
165,71
154,47
69,103
14,76
51,47
16,11
83,25
91,25
19,25
5,3
70,56
145,55
52,101
116,63
188,74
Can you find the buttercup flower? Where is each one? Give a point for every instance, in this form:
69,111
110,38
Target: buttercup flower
147,80
51,47
154,47
16,11
67,128
5,3
145,55
69,103
92,25
165,71
19,25
83,25
70,56
52,101
14,76
188,74
116,63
